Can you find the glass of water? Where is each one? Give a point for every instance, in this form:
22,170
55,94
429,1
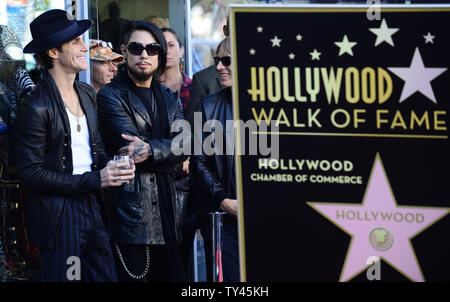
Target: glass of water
124,161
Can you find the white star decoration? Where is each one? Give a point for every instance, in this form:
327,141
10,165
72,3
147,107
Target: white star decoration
417,77
315,55
429,38
298,37
252,51
345,46
259,29
275,41
292,56
384,33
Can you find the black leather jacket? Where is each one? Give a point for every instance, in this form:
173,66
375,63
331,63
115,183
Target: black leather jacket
44,157
213,174
133,209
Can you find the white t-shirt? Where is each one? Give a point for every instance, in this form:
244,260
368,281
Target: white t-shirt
81,150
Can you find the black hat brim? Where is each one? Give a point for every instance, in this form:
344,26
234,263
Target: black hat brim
37,46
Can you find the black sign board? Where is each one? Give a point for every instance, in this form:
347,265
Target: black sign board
360,188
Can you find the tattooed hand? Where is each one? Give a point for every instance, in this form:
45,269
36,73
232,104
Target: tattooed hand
138,150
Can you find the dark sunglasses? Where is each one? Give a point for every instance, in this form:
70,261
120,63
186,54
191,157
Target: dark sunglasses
136,48
226,61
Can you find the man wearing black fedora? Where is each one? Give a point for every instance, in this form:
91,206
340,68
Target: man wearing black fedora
61,159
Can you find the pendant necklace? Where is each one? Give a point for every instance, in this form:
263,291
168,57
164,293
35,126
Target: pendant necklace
76,116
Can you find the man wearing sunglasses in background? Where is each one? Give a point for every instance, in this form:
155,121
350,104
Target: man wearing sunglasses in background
104,63
136,113
214,175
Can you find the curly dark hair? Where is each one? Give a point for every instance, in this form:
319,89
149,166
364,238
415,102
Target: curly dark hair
45,60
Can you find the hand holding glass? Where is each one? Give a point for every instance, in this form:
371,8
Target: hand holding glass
122,162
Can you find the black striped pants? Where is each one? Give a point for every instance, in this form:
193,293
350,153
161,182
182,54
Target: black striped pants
83,251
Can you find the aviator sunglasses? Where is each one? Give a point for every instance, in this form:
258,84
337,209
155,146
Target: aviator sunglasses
226,60
136,48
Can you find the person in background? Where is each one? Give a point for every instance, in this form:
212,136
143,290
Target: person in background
103,63
10,56
204,82
161,22
214,175
61,160
174,78
24,82
112,29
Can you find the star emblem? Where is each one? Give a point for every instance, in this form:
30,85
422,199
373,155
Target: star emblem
275,41
315,55
384,33
298,37
345,46
379,227
252,51
292,56
259,29
429,38
417,77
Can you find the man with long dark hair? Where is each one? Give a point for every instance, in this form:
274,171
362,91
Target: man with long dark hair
136,114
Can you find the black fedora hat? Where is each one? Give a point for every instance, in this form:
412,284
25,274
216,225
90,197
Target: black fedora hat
53,28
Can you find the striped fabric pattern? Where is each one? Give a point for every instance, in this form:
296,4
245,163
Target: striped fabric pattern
83,235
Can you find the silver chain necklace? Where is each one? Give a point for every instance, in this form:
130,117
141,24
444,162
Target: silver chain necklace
147,263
